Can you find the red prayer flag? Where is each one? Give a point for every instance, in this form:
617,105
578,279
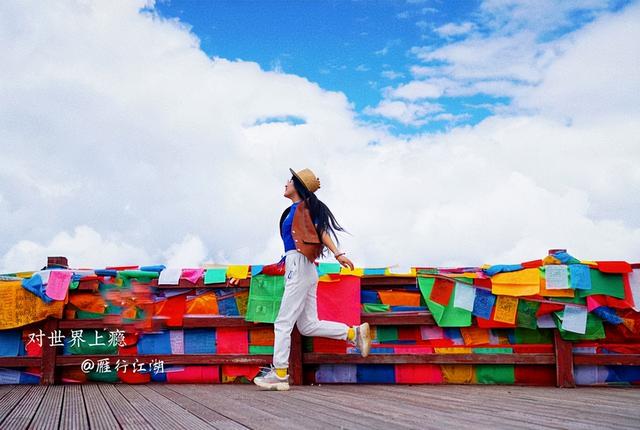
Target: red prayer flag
547,308
614,266
441,291
232,340
340,300
195,375
174,308
531,264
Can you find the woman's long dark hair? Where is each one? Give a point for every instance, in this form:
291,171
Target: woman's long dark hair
319,211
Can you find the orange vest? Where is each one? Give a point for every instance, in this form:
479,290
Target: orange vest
304,232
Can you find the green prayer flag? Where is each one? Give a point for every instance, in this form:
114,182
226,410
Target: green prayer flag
609,284
578,300
86,315
445,316
529,336
113,310
386,333
110,376
375,307
138,275
265,295
526,316
328,268
74,285
260,350
215,275
494,373
91,341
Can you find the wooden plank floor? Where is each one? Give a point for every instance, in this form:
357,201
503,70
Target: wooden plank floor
165,406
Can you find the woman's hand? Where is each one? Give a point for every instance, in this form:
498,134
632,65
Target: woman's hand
345,262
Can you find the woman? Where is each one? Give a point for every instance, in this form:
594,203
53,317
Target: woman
306,228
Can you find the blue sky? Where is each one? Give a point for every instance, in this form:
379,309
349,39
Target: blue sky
365,49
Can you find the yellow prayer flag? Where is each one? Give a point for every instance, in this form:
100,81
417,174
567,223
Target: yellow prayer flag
474,336
506,309
472,275
328,278
206,303
21,307
453,350
524,282
550,259
238,271
408,271
456,373
357,271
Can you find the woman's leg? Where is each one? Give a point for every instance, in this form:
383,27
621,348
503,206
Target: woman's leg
308,322
295,292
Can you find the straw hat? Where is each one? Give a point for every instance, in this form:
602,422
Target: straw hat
308,179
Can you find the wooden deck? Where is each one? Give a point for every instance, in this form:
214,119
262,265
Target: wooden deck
170,406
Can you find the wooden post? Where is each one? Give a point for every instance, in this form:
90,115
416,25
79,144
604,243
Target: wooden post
295,357
49,354
564,361
57,261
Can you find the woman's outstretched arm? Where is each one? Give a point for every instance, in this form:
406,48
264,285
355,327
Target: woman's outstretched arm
342,259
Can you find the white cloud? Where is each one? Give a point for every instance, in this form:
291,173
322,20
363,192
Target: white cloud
542,15
390,74
191,252
406,113
362,68
423,25
450,117
519,57
84,248
416,90
453,29
116,120
603,69
512,49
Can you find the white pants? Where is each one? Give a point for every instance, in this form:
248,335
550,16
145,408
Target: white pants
299,306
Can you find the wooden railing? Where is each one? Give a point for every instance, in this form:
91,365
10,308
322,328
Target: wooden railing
562,356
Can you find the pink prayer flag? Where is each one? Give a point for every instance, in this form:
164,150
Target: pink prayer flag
340,301
594,302
192,275
431,332
58,285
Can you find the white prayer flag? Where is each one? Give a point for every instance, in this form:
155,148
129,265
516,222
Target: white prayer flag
575,319
546,321
557,277
464,296
170,276
176,337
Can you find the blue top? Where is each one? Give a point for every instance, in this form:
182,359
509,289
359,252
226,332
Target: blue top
287,238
